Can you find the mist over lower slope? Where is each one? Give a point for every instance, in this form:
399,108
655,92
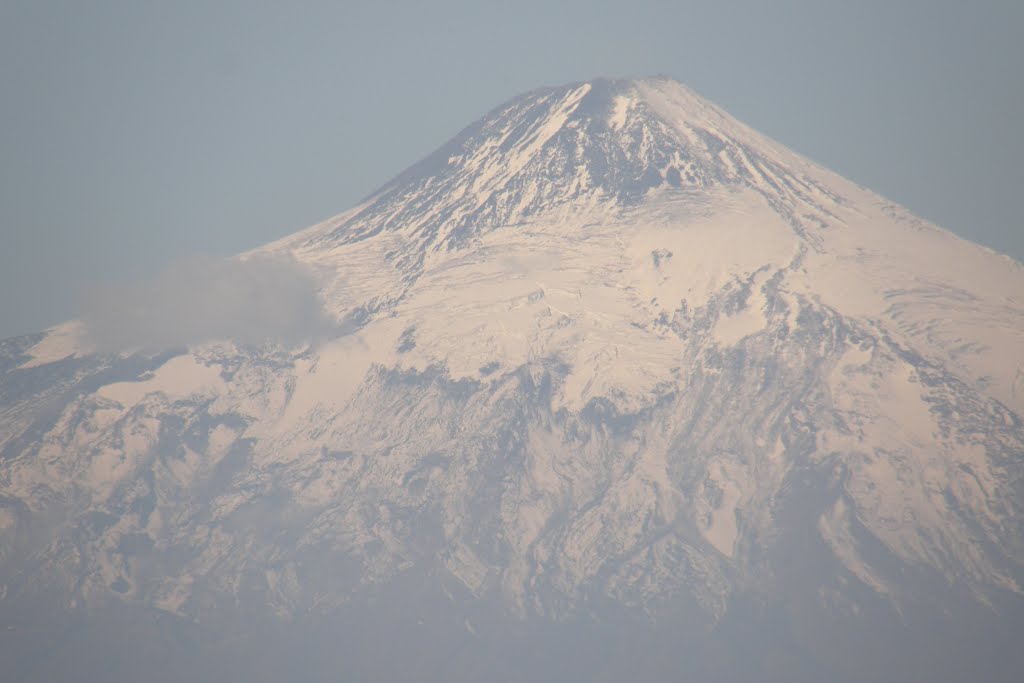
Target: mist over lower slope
612,380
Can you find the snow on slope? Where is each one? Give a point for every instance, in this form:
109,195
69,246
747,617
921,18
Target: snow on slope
596,344
585,155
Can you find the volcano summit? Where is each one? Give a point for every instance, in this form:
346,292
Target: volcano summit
618,389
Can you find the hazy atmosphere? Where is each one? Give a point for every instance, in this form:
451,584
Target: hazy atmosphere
134,134
511,343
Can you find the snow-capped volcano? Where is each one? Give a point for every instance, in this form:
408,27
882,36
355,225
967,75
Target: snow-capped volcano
565,148
607,352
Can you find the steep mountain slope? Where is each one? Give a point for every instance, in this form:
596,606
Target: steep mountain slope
608,352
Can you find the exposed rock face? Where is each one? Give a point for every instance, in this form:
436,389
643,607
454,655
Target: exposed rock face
607,357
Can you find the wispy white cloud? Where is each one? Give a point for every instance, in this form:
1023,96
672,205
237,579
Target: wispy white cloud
201,298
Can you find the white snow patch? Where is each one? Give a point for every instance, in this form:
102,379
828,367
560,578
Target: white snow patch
466,567
749,320
834,527
620,110
720,528
60,342
179,377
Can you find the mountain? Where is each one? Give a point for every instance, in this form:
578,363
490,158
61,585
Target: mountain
617,388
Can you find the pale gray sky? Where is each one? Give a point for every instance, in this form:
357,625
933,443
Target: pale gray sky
133,133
